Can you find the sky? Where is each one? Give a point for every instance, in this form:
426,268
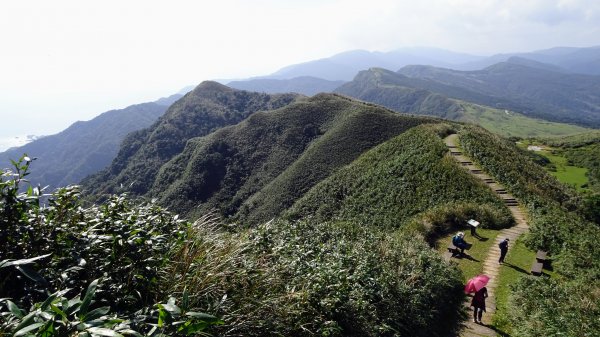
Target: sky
63,61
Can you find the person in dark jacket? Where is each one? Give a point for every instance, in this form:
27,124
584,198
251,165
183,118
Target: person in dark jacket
459,241
478,304
503,249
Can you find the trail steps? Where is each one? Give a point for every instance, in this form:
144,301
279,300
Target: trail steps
490,265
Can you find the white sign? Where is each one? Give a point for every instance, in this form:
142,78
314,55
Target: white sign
473,223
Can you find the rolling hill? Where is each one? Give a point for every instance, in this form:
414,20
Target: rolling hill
86,147
535,92
404,94
208,107
258,168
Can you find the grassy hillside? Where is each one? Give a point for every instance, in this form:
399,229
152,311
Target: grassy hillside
407,177
511,124
536,92
258,168
280,278
403,94
208,107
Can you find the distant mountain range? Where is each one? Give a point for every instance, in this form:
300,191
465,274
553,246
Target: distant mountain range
305,85
427,97
534,91
84,147
544,84
346,65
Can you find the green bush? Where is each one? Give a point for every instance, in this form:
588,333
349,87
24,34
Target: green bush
548,307
121,245
308,278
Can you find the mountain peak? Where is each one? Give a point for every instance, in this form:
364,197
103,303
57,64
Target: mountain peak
212,86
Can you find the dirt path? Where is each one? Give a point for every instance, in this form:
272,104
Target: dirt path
490,265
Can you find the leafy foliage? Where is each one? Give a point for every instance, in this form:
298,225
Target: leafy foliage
121,245
559,308
309,278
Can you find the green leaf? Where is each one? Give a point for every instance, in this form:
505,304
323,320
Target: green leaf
28,261
96,313
164,316
60,312
129,332
52,298
87,299
104,332
172,308
26,321
31,274
202,316
14,309
27,329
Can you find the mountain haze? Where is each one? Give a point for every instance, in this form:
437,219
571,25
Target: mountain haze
569,59
85,147
344,66
305,85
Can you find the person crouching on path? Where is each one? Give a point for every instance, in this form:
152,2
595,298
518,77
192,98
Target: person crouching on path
459,241
478,304
503,249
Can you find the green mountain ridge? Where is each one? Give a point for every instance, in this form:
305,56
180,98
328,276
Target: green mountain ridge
426,97
207,108
256,169
535,92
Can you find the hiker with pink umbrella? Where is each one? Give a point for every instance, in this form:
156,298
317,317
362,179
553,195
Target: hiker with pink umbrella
477,285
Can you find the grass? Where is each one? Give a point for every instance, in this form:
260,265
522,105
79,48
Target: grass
567,174
517,264
512,124
473,264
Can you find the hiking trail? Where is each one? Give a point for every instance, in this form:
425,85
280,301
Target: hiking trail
491,267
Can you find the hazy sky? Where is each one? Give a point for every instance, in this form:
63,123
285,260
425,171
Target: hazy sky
62,61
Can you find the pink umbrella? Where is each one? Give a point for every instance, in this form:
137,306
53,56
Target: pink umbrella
476,283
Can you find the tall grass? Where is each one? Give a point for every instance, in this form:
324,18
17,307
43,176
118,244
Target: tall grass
308,278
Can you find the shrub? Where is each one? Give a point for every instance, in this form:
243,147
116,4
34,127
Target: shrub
308,278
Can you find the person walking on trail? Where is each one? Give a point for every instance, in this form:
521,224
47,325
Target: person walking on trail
503,249
478,304
459,241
